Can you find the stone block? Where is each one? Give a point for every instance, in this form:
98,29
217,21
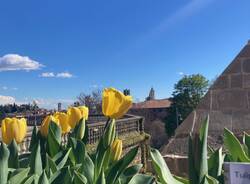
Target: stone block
234,67
246,80
221,82
236,81
246,65
241,121
245,52
229,99
205,102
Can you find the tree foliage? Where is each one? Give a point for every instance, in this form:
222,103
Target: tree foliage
187,94
93,101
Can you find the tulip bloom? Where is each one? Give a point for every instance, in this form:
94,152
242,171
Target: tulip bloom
84,111
13,128
75,115
116,150
44,128
114,103
63,121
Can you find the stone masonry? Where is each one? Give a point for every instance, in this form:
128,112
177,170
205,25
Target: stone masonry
227,103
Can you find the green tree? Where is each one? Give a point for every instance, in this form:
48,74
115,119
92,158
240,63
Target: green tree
187,94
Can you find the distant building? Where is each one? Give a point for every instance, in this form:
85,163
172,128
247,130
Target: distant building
154,111
59,106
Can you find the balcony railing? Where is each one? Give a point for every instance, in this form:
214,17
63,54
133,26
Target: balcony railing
96,123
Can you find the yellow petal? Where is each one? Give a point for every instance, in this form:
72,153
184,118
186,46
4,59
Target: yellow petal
84,111
63,121
5,130
45,124
22,127
74,116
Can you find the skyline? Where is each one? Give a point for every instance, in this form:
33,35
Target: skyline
52,51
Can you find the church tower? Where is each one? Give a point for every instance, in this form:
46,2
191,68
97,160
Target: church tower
151,95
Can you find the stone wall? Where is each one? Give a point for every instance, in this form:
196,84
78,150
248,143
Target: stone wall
227,103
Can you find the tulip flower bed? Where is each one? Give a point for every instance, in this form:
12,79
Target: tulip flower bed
50,161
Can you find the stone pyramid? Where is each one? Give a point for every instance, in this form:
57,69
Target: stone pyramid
227,103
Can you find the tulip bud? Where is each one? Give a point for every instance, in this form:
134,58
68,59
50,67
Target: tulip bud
109,134
114,103
116,150
13,128
84,111
44,128
63,121
74,115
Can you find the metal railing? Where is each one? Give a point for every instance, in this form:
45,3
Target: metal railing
96,123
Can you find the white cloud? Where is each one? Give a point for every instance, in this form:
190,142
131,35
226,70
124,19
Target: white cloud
52,103
56,75
12,62
47,74
6,99
181,73
64,75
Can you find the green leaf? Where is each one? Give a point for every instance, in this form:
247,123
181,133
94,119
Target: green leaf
79,130
43,179
246,141
64,160
18,178
78,150
86,135
51,165
101,179
87,169
215,163
234,147
62,176
99,158
130,172
34,138
192,172
35,160
4,156
30,179
203,146
161,168
140,178
79,178
13,158
210,180
182,180
54,139
118,168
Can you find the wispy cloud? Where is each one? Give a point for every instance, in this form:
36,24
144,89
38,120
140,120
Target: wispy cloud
6,100
12,62
181,73
188,10
56,75
64,75
95,86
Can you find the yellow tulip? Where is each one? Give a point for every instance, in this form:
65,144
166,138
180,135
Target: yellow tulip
44,128
116,150
84,111
114,103
75,115
63,121
13,128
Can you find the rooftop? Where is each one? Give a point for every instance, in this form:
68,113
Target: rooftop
152,104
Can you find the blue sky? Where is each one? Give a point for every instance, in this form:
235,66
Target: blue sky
53,50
